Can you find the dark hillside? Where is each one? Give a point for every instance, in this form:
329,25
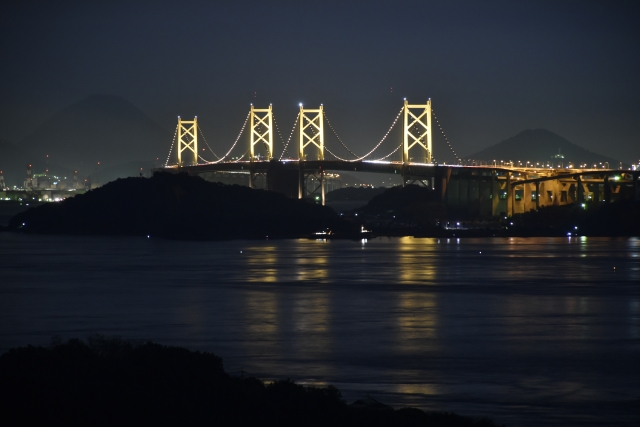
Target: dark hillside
403,209
177,206
620,218
399,200
124,170
354,194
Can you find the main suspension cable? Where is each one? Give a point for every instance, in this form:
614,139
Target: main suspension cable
445,137
339,158
171,148
277,129
205,141
326,118
384,137
391,153
241,157
244,125
290,135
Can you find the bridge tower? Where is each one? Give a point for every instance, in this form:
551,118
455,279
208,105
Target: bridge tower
417,129
262,129
2,185
312,130
311,127
188,138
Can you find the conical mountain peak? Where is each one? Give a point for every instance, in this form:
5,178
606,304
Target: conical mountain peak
540,146
99,128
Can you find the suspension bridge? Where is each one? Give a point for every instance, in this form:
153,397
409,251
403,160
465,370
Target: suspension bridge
484,190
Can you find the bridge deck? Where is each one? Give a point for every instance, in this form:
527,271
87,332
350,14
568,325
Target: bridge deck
485,190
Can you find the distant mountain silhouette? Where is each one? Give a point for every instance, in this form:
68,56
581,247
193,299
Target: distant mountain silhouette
540,145
100,128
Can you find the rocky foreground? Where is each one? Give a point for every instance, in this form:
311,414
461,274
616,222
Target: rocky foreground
111,382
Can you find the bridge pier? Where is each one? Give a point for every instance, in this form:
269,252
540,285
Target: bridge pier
304,173
283,179
607,189
253,177
579,189
300,180
470,191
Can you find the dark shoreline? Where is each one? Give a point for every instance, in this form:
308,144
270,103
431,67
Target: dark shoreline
183,207
109,381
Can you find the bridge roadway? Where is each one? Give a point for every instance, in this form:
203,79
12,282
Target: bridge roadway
478,190
327,165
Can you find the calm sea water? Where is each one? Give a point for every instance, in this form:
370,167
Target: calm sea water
538,331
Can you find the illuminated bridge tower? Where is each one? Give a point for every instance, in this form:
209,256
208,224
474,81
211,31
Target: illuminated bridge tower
188,138
2,185
261,121
262,130
416,131
311,127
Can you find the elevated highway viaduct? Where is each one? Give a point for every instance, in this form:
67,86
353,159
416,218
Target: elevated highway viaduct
482,191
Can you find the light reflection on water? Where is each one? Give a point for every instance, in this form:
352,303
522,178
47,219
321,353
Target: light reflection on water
262,264
527,331
417,322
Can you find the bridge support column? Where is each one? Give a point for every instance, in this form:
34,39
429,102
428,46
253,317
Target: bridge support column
319,191
301,188
596,192
440,183
580,190
537,195
495,194
607,189
509,195
322,186
636,187
484,202
252,177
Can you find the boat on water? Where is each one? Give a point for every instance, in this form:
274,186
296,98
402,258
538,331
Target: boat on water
327,234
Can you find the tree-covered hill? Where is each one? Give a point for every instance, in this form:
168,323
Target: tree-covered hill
178,206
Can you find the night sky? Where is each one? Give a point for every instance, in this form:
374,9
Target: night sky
491,68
